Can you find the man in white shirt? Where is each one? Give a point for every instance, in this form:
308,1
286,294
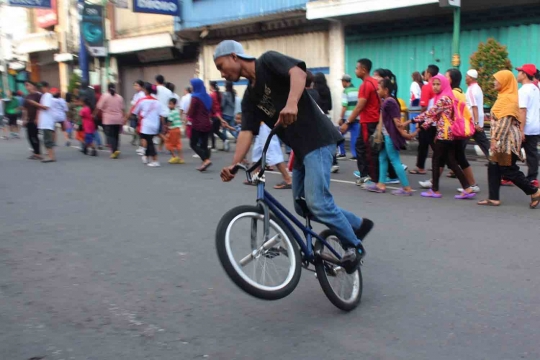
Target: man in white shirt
163,95
184,103
475,103
46,121
529,110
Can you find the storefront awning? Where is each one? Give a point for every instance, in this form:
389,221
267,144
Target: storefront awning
323,9
31,43
138,43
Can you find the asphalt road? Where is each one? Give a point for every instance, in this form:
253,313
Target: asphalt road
104,259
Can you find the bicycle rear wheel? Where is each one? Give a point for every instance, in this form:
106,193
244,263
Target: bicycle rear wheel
342,289
268,270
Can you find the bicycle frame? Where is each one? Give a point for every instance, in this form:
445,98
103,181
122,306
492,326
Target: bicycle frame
268,202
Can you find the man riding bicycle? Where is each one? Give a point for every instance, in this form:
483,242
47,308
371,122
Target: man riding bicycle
276,95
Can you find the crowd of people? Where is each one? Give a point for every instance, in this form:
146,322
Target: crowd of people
371,114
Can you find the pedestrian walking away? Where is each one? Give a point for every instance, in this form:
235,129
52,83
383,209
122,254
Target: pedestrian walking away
506,137
276,95
475,102
201,124
30,120
111,106
149,111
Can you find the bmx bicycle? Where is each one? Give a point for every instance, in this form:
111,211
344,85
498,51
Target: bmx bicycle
263,253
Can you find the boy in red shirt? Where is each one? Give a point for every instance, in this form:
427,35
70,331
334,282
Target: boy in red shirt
89,128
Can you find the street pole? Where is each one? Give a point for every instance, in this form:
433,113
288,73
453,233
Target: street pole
83,53
106,41
456,59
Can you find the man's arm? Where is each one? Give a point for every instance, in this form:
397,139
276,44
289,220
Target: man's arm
476,118
357,109
342,116
298,82
243,143
522,118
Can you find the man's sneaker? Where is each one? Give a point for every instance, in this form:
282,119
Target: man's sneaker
405,167
352,159
506,183
364,229
173,160
392,181
341,157
351,259
196,156
144,159
474,188
226,145
357,174
335,169
426,184
363,180
154,164
535,183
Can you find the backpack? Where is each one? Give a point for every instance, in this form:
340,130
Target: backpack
463,126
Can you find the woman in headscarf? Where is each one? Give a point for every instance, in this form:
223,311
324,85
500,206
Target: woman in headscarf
442,114
506,138
199,112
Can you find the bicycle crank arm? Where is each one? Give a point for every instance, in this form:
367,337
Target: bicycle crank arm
256,253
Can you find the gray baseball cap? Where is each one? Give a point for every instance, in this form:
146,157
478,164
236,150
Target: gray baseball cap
228,47
346,77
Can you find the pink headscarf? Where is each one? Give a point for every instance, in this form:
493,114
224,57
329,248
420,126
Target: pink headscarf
446,89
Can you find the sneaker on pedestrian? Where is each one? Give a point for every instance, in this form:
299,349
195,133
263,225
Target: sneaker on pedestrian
426,184
335,169
357,174
363,180
405,167
352,159
341,157
392,181
141,151
173,160
226,146
351,260
535,183
115,154
475,189
196,156
154,164
144,159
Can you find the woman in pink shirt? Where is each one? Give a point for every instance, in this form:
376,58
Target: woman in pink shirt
112,107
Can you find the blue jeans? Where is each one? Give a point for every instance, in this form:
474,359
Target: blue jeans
354,129
97,137
389,152
312,182
230,120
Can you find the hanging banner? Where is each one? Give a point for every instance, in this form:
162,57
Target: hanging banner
47,17
36,4
162,7
92,29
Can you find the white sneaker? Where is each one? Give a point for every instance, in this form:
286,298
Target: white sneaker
144,159
426,184
405,167
226,146
196,156
154,164
141,151
335,169
474,188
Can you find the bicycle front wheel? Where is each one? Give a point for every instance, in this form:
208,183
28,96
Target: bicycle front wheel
342,289
267,269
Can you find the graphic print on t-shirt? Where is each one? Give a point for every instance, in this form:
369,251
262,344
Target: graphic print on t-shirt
266,104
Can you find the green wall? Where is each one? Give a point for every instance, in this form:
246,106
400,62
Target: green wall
404,54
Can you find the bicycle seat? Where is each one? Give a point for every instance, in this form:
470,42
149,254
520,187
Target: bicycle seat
303,205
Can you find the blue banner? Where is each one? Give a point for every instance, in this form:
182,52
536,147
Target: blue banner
162,7
37,4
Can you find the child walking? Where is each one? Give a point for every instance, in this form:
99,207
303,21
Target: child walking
89,127
173,139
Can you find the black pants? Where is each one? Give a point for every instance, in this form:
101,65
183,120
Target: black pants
446,151
482,141
461,158
425,140
199,143
512,173
531,151
216,125
33,139
367,159
113,136
150,147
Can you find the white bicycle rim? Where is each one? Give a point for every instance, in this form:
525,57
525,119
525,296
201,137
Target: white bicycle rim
262,262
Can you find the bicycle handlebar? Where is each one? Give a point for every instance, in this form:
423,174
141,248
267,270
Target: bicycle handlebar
262,160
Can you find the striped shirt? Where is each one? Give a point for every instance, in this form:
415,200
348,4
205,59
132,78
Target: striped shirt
349,99
174,119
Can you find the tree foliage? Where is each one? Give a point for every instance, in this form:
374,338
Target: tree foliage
74,81
487,60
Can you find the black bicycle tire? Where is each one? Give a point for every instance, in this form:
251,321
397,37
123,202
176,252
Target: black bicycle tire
325,284
231,272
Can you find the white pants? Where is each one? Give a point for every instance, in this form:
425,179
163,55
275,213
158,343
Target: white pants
274,155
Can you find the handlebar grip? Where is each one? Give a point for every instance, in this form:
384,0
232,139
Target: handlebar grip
238,167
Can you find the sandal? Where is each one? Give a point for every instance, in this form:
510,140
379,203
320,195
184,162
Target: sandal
431,194
488,202
535,201
203,168
375,189
283,186
417,172
465,196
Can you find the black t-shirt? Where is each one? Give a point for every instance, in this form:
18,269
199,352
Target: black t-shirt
31,110
264,101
